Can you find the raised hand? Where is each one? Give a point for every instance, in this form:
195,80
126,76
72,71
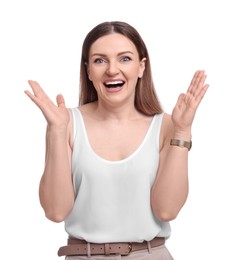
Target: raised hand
187,104
55,115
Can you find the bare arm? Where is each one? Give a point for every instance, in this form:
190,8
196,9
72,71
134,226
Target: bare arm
170,189
56,188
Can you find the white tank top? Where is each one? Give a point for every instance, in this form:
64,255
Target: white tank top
112,198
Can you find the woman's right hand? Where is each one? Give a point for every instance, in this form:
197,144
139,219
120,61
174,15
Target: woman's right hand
55,115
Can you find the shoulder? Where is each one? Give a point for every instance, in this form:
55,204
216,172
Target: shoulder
76,115
88,109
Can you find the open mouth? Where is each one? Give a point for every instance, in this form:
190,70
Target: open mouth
114,84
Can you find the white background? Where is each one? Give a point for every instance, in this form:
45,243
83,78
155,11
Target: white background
41,40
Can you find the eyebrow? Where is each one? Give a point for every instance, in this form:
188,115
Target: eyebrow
119,54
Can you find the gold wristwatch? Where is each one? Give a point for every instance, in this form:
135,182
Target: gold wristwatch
181,143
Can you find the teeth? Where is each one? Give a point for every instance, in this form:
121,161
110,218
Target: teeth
114,82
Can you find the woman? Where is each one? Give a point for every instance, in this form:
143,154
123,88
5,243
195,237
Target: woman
116,169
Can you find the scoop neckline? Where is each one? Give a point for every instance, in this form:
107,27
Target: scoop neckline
129,157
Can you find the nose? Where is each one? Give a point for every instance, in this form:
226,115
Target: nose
112,68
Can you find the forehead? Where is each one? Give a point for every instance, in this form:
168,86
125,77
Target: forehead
113,43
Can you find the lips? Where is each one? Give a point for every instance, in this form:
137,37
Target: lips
114,84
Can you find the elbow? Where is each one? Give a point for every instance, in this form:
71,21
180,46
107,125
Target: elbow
166,216
57,214
55,217
165,213
166,210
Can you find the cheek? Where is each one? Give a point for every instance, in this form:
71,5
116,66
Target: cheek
98,86
92,75
95,74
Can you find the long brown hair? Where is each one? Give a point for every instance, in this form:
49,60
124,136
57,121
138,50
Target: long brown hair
146,100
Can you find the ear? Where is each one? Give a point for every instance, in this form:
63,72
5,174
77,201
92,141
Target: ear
89,76
142,68
88,72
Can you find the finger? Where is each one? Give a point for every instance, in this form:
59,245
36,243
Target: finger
197,85
196,74
180,100
201,94
38,96
200,85
35,99
29,94
196,79
36,88
60,101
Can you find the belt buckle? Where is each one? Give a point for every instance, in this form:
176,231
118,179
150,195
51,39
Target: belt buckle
130,248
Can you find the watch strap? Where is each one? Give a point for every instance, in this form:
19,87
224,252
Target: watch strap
181,143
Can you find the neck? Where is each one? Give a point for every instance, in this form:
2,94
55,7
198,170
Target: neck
116,112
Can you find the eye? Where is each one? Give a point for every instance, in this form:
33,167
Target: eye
125,58
99,60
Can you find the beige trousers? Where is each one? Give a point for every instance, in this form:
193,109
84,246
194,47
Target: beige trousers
156,253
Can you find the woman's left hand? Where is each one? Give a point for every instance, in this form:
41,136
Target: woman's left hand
187,104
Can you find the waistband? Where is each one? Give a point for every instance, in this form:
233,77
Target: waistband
82,247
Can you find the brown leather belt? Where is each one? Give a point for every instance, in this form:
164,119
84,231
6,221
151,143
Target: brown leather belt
82,247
